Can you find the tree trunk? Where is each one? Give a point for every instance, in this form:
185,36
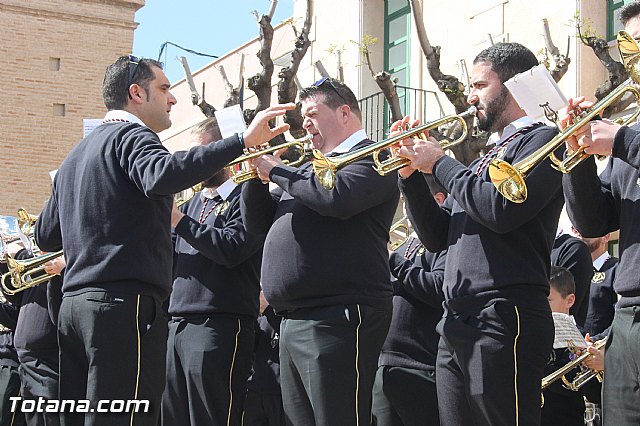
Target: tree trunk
287,89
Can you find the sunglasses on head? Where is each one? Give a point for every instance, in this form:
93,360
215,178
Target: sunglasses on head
133,67
335,89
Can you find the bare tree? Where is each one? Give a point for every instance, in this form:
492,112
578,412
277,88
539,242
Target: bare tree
197,100
260,83
453,89
615,70
382,78
233,93
287,89
560,62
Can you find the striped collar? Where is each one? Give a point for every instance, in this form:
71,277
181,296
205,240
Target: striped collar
121,115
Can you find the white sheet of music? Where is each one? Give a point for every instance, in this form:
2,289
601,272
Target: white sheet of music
567,333
534,88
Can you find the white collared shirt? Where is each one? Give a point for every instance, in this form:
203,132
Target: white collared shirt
223,190
597,264
509,130
119,114
349,142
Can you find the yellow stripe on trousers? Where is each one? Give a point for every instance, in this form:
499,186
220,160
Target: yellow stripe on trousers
515,363
233,361
135,396
357,359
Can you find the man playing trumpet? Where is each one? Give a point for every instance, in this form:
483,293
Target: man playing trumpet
497,329
325,264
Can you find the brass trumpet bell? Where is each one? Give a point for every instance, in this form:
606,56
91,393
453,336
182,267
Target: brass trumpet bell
325,168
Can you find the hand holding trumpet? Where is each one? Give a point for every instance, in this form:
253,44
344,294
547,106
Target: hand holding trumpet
422,153
595,137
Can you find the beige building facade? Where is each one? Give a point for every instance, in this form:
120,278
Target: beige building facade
52,60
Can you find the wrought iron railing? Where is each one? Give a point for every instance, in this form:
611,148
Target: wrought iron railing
417,103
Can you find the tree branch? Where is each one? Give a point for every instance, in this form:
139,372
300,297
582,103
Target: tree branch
448,84
272,9
287,89
207,110
561,62
260,83
616,71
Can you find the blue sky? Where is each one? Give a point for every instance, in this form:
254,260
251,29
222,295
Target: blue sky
213,27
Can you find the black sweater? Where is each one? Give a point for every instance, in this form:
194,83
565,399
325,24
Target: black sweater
324,247
217,262
412,341
573,254
496,248
111,201
600,204
602,298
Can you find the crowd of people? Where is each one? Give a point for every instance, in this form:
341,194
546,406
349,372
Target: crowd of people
277,301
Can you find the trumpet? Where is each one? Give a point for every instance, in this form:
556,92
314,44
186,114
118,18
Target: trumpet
183,196
509,179
581,378
402,228
24,274
325,168
241,171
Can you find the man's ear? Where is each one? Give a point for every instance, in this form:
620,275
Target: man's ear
571,299
135,93
345,111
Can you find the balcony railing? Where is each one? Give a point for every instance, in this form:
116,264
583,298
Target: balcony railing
419,104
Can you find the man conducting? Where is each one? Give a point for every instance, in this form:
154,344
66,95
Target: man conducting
110,212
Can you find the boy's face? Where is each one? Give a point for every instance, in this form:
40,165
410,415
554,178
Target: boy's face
559,303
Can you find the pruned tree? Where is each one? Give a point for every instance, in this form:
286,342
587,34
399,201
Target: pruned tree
616,72
287,89
260,83
560,62
382,78
233,92
197,100
452,88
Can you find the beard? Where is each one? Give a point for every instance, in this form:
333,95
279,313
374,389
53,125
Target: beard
492,112
217,179
592,243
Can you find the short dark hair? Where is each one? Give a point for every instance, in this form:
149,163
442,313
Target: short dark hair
629,11
335,92
208,126
115,86
434,185
507,59
561,280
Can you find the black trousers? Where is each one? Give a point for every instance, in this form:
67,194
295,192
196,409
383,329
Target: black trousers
39,379
404,397
328,362
621,385
9,387
208,364
112,347
490,364
263,409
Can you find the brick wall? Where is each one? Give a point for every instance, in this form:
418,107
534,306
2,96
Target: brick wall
53,55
